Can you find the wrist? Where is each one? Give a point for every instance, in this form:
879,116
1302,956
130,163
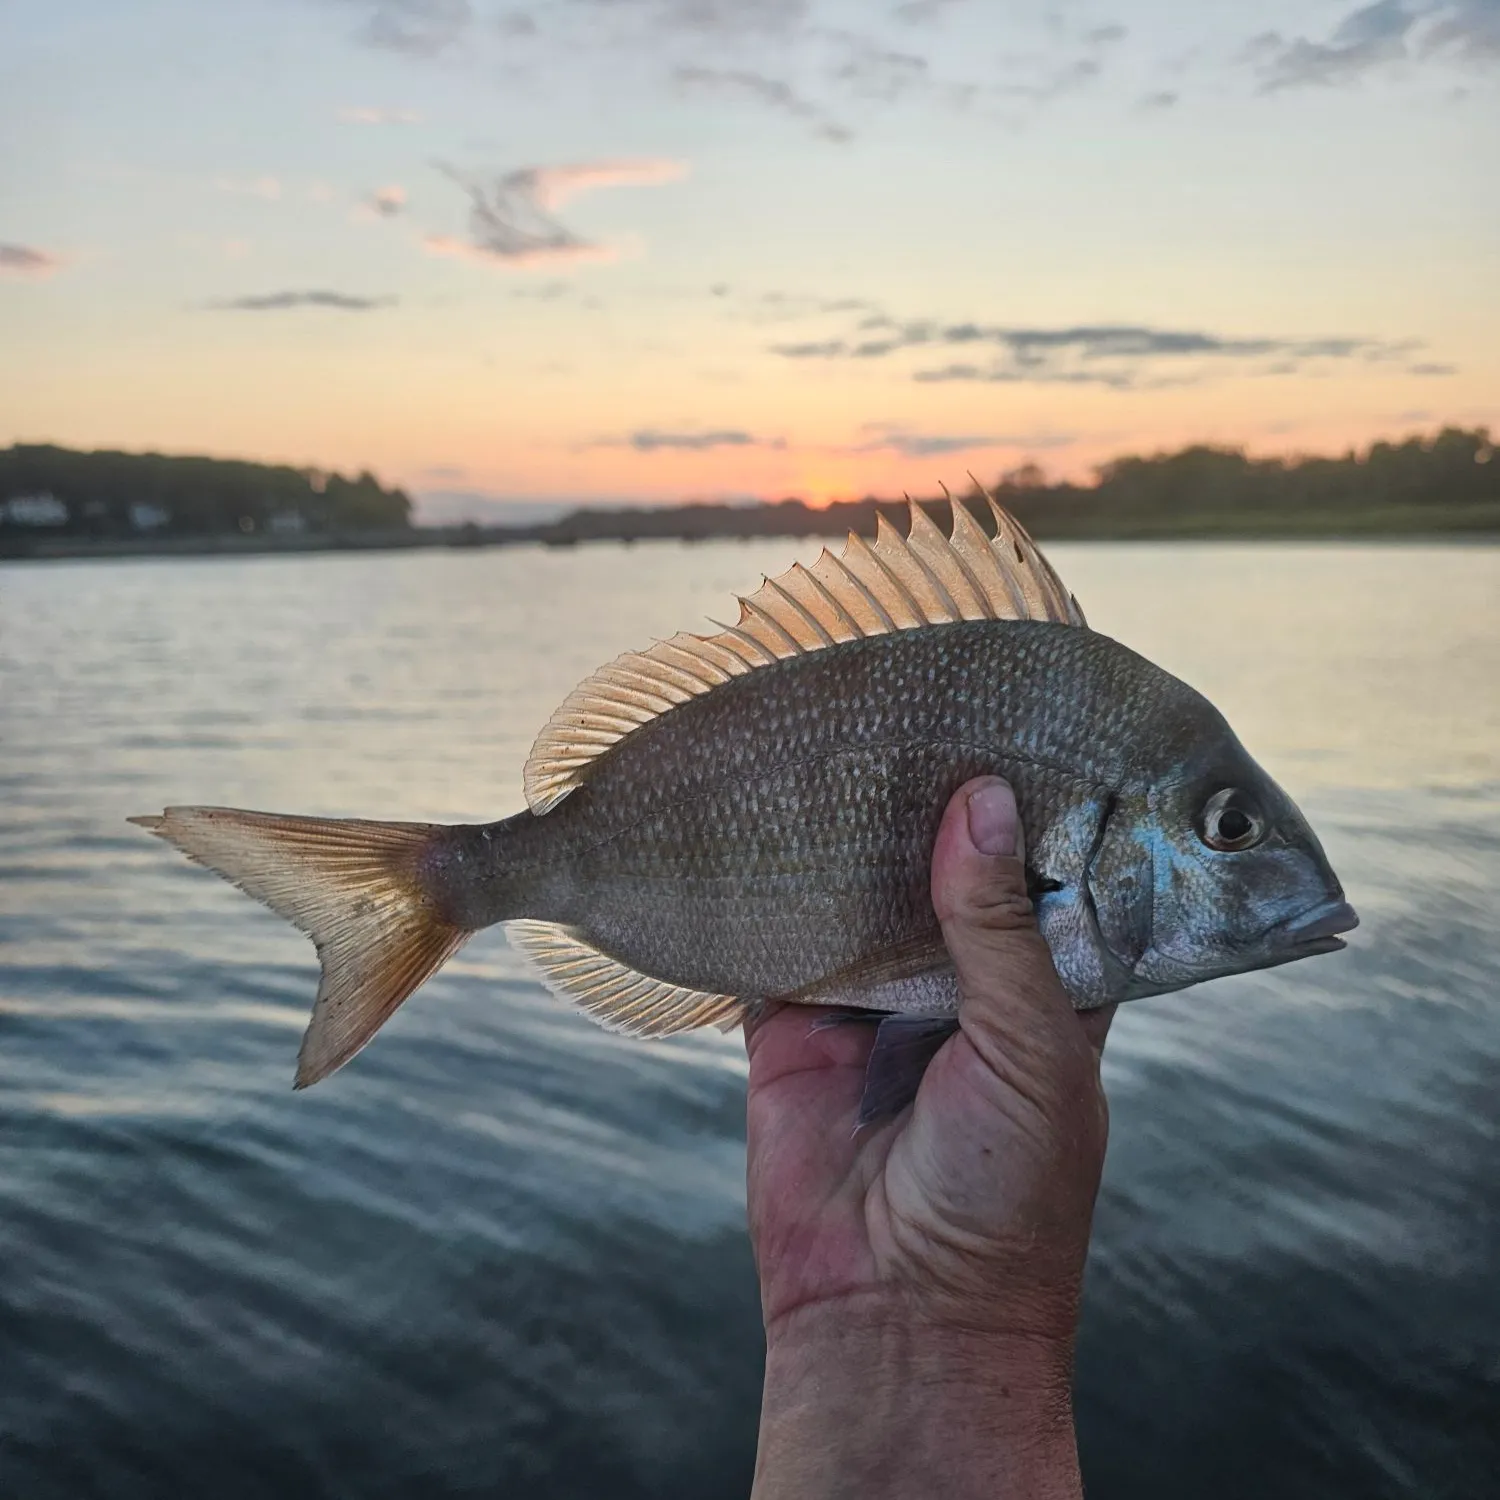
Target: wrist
864,1398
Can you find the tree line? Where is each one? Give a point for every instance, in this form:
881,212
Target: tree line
1449,481
107,494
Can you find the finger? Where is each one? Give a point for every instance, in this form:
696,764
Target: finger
1006,978
1096,1024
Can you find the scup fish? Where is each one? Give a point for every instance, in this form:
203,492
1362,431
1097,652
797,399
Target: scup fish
719,822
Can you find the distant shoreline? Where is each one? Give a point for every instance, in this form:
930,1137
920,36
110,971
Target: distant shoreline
56,503
1466,524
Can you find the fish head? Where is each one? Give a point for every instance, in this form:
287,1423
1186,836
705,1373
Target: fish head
1211,869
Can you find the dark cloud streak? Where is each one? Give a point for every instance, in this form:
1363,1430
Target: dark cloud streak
27,260
773,92
655,440
1375,36
419,28
1119,356
285,301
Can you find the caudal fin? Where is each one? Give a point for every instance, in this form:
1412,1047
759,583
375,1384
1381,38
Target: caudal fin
354,887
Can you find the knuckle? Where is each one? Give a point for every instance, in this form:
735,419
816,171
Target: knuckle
998,909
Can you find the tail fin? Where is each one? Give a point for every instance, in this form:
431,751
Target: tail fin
354,887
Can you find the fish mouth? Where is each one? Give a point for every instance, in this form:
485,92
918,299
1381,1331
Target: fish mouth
1317,931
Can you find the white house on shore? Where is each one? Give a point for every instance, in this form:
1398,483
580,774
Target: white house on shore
33,510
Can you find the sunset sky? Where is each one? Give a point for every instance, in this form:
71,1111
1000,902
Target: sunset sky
588,250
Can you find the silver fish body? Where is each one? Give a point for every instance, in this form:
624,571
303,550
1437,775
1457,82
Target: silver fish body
771,838
722,821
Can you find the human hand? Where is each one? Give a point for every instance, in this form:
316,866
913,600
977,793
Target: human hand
920,1280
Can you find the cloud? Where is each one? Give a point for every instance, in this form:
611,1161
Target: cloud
1375,35
716,19
770,91
419,28
386,202
656,440
892,437
917,12
551,187
362,115
511,217
877,72
1162,99
1116,355
784,307
1431,369
1469,29
283,301
27,260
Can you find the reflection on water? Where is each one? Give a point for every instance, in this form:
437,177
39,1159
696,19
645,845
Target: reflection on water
503,1252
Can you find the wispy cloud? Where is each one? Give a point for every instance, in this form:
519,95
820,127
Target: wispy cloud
386,202
366,115
511,219
658,440
1377,35
774,92
1161,99
27,260
784,307
1469,29
1121,356
893,437
1373,35
285,301
420,28
716,19
874,71
919,12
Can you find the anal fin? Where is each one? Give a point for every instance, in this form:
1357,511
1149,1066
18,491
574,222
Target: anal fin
618,997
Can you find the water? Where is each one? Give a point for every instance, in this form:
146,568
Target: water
503,1252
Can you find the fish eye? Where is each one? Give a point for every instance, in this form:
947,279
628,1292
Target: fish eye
1231,821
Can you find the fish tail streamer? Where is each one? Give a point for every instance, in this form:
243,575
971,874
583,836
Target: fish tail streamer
363,891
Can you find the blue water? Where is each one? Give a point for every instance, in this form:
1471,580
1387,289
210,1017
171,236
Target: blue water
503,1252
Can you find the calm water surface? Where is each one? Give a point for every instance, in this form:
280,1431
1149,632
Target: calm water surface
503,1253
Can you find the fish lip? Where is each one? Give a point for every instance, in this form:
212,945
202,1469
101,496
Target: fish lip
1316,931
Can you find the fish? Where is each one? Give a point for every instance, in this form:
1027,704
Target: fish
724,822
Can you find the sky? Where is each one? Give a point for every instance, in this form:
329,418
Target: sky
511,254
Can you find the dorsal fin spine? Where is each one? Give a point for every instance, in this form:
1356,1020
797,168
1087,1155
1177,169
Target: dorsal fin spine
767,656
859,547
853,625
803,613
888,539
876,607
912,551
707,683
752,609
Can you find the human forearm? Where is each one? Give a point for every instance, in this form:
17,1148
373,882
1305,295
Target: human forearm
871,1403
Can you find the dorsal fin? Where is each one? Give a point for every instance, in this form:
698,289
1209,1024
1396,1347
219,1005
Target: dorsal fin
871,588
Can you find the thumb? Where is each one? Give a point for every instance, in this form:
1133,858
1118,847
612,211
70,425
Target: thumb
1007,983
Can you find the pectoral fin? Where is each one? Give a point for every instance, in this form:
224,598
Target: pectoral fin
913,975
904,1045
